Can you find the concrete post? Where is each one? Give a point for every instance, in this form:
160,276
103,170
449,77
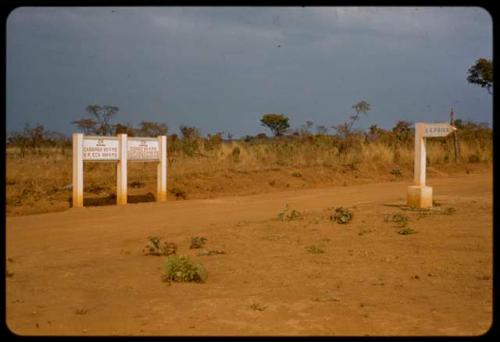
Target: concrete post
162,170
77,170
420,155
121,171
419,195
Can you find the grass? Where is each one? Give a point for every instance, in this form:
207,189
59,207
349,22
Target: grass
407,231
41,182
313,249
197,242
342,215
258,307
182,269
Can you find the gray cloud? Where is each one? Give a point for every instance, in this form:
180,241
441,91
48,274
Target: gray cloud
221,68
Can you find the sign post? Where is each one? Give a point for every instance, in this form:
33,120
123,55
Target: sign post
77,170
120,149
420,195
162,170
121,170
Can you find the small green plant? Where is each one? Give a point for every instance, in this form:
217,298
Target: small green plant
449,211
407,231
211,252
400,219
257,307
197,242
155,248
178,193
342,215
182,269
81,311
287,215
314,249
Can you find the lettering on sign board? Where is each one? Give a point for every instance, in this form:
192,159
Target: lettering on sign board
100,149
438,130
143,149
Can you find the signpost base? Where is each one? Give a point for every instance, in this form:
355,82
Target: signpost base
420,196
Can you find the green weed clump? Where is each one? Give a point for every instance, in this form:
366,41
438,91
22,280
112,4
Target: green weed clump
342,215
182,269
315,249
197,242
155,248
287,215
407,231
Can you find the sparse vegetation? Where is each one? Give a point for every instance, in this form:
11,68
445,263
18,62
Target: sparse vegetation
287,215
198,242
182,269
258,307
154,247
407,231
342,215
39,164
313,249
178,193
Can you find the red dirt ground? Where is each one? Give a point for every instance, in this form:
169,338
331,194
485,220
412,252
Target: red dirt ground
82,272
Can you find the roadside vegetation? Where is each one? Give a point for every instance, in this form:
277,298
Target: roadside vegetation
39,164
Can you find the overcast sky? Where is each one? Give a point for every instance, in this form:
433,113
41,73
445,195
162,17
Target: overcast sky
220,69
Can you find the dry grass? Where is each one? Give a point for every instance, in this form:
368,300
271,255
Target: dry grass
41,182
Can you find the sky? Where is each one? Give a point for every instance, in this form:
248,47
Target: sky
222,68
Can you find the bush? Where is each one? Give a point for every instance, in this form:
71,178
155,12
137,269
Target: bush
342,215
178,193
182,269
154,247
197,242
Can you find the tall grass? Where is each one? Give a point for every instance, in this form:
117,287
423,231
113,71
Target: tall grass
41,181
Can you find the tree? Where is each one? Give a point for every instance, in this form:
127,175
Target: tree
99,123
189,133
127,129
360,107
151,129
88,126
277,123
481,73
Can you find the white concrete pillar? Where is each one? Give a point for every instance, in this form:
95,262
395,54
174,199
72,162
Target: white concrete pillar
77,170
121,170
420,154
419,195
162,170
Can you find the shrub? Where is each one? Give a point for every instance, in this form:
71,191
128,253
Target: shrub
154,247
235,155
285,215
399,219
178,193
197,242
342,215
474,158
182,269
407,231
314,249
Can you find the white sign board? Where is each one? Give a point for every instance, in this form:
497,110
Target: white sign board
100,148
438,130
143,149
118,149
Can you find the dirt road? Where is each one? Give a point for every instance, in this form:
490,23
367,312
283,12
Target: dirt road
82,272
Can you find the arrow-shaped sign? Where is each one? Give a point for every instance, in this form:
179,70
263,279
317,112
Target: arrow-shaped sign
438,130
